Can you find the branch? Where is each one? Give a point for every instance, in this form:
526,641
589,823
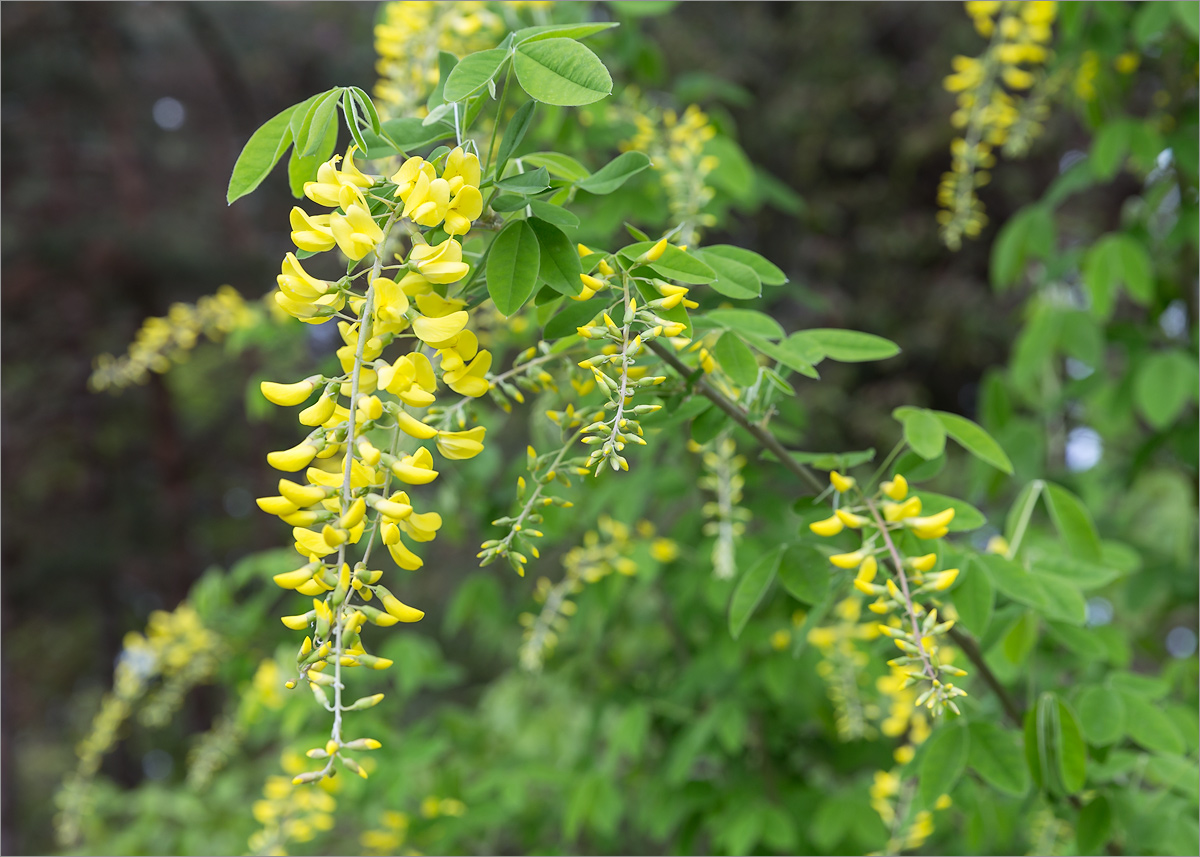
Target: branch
739,416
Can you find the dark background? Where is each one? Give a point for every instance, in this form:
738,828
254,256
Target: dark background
113,505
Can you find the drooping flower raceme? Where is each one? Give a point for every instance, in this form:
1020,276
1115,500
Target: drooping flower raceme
351,483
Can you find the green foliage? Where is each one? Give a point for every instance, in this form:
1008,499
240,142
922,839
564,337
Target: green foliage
691,711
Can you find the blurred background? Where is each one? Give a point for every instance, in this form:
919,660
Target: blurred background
121,122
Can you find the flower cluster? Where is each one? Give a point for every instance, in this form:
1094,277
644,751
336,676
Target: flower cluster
409,37
288,814
364,432
166,340
605,550
640,323
992,104
154,670
725,519
891,511
675,144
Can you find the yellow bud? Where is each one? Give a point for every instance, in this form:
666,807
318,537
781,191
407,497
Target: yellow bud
897,489
302,495
828,527
286,395
866,571
400,610
922,563
841,483
655,252
849,560
851,520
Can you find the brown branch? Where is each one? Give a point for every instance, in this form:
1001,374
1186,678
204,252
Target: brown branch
739,416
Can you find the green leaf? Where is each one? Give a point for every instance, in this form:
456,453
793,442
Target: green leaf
847,346
1094,826
1072,759
995,754
768,273
1101,715
1056,598
527,184
353,120
473,73
1054,746
736,359
784,353
1081,641
1079,572
974,440
1149,726
1114,259
515,132
674,264
551,213
316,123
1021,638
368,107
966,516
303,114
1062,600
804,573
974,599
734,280
923,431
615,173
1164,383
560,268
573,314
751,589
945,757
747,322
1021,509
301,170
560,166
512,266
260,154
1073,522
565,31
562,72
1029,233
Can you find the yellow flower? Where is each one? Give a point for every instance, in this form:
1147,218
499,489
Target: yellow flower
440,263
462,170
327,189
391,303
297,283
311,233
415,469
355,232
435,331
466,207
460,445
428,200
409,173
